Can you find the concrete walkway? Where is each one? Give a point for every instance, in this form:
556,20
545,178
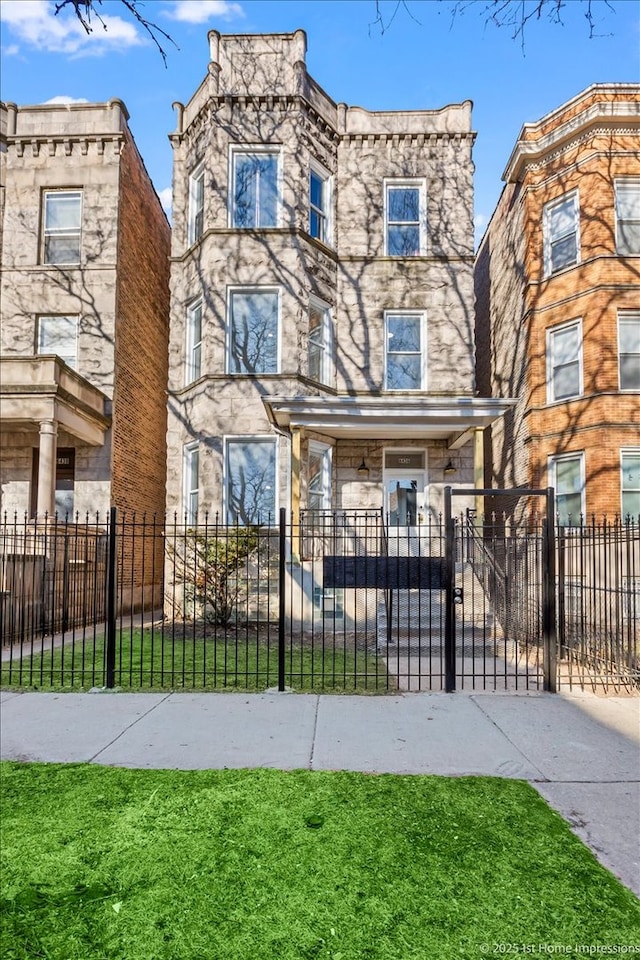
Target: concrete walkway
581,752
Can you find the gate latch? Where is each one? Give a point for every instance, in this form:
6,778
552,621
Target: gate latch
458,595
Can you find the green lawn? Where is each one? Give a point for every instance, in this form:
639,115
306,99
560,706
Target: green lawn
113,864
181,660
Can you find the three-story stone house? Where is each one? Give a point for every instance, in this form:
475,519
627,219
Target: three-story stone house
84,293
322,327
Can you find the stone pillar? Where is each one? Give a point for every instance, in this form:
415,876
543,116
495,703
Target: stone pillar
478,471
296,465
47,467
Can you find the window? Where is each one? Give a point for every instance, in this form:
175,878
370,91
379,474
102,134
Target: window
320,343
196,205
61,227
251,481
628,217
255,197
65,481
194,341
629,350
253,331
405,214
319,201
63,504
59,336
330,601
191,488
319,489
564,362
630,463
561,237
566,474
404,354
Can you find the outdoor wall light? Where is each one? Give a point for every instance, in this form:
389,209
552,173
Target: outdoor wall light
363,470
449,468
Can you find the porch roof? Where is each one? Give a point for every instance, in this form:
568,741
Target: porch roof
43,388
387,417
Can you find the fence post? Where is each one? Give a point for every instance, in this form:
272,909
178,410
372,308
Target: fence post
549,665
111,601
449,572
282,569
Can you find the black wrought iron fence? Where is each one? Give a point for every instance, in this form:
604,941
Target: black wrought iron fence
599,602
324,601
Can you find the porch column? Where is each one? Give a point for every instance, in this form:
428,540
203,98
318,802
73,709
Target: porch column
296,466
478,470
47,467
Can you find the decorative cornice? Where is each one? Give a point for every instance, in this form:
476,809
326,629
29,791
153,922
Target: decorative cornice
600,118
67,145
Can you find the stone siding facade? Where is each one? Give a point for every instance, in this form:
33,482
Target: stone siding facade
258,95
117,290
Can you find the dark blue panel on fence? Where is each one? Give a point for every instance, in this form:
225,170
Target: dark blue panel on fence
385,573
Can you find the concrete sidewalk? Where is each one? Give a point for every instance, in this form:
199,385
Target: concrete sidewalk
581,752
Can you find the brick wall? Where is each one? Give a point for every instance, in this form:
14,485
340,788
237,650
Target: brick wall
142,318
514,297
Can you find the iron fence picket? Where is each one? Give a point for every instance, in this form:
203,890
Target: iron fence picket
163,604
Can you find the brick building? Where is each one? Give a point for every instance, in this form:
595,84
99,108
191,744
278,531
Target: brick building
84,308
321,349
557,283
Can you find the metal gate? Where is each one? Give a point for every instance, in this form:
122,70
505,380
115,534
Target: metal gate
345,601
500,631
446,603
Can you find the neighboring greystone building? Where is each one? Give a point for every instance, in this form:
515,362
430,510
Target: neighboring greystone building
322,327
84,309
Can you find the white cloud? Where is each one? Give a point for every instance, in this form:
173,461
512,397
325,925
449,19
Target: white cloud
65,99
35,23
166,199
480,220
199,11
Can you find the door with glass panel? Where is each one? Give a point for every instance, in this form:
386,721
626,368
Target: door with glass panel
404,500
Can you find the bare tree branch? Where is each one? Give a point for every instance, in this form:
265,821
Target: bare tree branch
379,20
516,15
85,10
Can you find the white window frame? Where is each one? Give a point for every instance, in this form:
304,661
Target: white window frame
553,482
421,315
330,602
49,232
620,184
70,358
549,240
193,352
228,442
195,228
628,316
326,344
417,183
316,169
238,149
325,452
191,493
552,333
627,452
233,291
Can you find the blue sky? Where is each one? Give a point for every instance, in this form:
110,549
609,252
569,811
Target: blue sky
420,63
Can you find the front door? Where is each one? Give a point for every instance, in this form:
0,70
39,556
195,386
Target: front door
404,499
405,511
